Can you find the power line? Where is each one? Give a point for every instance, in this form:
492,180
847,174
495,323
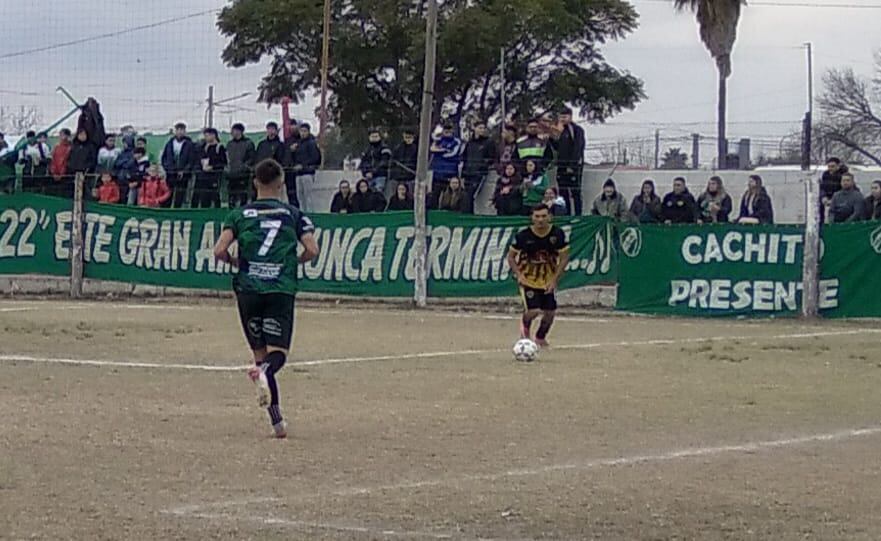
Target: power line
117,33
796,4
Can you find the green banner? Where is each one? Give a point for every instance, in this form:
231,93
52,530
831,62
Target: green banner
364,254
34,235
718,270
853,256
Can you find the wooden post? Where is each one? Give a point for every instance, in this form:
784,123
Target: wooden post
420,290
76,238
811,261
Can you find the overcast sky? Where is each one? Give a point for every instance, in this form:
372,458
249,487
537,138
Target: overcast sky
154,77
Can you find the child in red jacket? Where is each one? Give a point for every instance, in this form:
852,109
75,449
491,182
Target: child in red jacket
108,191
154,190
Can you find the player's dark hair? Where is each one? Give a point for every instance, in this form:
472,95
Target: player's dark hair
540,207
180,126
834,160
268,171
679,178
139,150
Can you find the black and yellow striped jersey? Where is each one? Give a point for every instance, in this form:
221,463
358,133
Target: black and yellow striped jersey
538,256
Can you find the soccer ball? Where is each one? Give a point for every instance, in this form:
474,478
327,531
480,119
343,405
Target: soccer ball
525,350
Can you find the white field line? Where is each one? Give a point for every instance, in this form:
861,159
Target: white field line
18,309
678,454
433,354
198,511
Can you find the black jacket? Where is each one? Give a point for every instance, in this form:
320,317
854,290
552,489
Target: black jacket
375,160
307,155
872,208
340,205
83,157
240,155
480,155
646,213
679,208
762,209
185,162
92,121
511,202
271,149
831,182
216,156
404,158
570,147
368,202
398,204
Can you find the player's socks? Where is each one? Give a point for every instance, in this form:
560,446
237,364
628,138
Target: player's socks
525,326
543,329
273,363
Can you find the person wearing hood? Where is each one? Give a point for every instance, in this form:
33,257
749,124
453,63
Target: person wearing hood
342,200
305,160
872,204
178,160
679,206
479,157
126,167
240,154
646,206
271,146
404,157
554,201
83,156
454,197
401,199
366,199
375,161
610,203
714,204
755,205
508,197
446,153
847,203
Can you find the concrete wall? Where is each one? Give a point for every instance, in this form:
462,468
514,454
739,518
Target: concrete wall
785,188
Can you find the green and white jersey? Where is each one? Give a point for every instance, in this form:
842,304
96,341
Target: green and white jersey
267,232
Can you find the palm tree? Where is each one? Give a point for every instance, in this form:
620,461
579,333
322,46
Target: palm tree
718,28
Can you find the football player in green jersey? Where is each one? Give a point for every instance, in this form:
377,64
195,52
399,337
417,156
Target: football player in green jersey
268,232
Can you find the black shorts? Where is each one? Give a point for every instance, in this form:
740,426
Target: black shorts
267,319
538,299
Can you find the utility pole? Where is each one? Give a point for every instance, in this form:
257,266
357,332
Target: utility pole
808,122
211,105
657,148
695,150
811,261
502,70
325,66
420,291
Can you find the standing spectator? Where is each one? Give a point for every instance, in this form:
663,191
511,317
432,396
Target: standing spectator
367,199
679,206
212,163
847,203
611,203
178,160
507,197
126,166
755,205
306,159
454,197
446,153
83,157
342,200
646,206
401,199
480,155
714,205
404,157
569,143
108,154
555,203
240,153
830,183
35,158
533,147
141,171
507,149
58,165
3,144
154,191
872,204
92,121
271,146
534,185
375,161
141,142
108,191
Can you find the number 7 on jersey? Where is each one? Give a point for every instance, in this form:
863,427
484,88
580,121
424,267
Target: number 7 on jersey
273,226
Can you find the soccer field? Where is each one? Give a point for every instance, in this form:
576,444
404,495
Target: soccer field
136,421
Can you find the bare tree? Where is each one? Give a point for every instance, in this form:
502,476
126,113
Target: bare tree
18,120
851,107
